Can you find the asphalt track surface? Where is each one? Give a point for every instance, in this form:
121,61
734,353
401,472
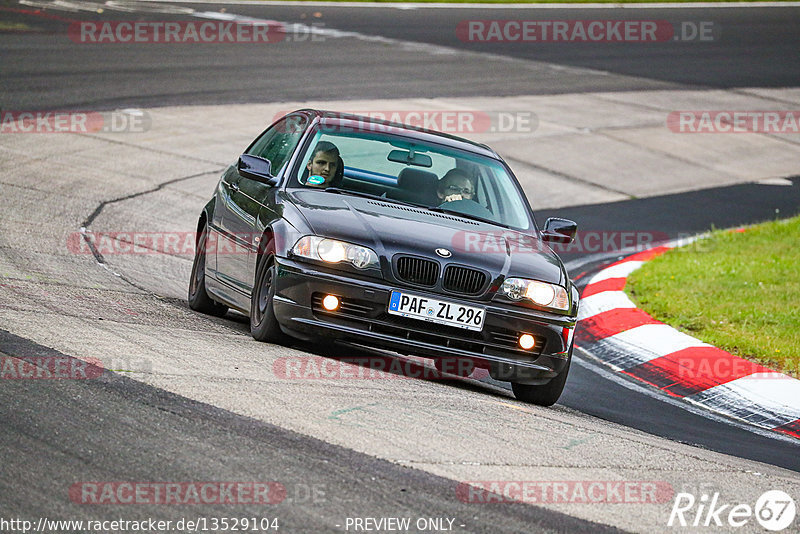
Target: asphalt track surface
43,70
163,436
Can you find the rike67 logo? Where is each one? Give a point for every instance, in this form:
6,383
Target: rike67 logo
775,511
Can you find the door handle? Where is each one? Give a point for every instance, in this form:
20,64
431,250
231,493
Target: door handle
234,186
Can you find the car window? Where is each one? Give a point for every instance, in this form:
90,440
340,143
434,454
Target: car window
373,164
278,143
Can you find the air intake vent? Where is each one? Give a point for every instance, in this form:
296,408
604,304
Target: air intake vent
463,280
422,212
417,271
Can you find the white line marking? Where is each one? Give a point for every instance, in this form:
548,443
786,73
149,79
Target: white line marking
413,46
634,347
659,339
603,302
620,270
621,355
598,366
775,181
778,397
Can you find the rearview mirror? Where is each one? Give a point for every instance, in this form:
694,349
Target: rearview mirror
410,158
256,168
558,230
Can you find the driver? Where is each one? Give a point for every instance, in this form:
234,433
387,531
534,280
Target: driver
322,165
455,185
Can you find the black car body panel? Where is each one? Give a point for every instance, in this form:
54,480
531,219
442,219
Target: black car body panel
252,219
397,229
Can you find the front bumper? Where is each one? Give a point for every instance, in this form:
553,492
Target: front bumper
362,318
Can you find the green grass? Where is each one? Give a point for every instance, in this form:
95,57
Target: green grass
739,291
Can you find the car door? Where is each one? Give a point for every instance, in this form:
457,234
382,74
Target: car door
244,198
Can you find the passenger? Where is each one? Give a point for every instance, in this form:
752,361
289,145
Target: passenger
455,185
322,165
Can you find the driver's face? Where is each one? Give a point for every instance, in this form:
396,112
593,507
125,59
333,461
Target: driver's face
323,164
457,188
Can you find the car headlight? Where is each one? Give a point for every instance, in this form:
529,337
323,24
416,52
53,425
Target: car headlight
540,293
334,251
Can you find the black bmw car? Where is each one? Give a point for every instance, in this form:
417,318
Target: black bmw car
335,226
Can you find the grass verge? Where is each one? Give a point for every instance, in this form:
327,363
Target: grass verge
739,291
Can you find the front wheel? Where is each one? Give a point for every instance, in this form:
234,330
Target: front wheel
546,394
263,324
199,300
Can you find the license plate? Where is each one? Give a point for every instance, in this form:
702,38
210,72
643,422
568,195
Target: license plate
436,311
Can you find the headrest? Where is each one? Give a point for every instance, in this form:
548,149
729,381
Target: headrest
412,179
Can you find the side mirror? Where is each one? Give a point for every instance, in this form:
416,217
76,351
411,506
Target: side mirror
256,168
558,230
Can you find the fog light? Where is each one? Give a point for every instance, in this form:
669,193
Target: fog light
526,341
330,302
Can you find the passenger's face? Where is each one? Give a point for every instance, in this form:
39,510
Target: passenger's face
323,164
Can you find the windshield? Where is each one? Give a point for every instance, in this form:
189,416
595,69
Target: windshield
406,170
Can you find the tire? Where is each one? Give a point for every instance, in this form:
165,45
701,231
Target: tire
263,324
198,298
547,394
462,367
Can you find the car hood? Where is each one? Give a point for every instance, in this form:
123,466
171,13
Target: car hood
390,229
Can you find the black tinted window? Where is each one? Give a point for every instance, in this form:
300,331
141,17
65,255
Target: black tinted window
277,143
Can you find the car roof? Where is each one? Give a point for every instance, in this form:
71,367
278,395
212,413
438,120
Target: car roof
350,120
